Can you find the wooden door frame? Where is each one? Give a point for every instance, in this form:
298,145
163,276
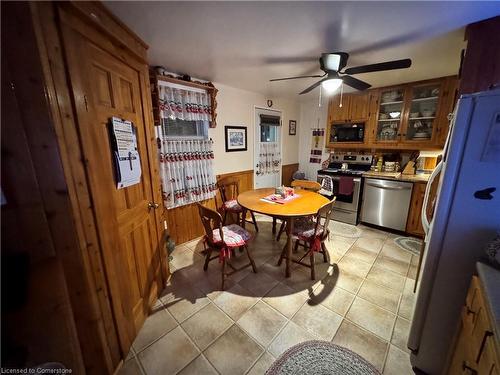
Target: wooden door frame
99,286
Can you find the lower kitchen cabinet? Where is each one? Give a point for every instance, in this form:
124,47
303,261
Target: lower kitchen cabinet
414,222
476,348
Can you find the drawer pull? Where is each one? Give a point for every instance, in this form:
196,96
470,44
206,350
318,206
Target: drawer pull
483,343
470,369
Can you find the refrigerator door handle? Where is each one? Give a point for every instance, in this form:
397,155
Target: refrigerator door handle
435,173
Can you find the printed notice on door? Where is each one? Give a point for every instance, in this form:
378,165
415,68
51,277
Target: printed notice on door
125,153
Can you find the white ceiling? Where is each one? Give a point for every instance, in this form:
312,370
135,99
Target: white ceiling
244,44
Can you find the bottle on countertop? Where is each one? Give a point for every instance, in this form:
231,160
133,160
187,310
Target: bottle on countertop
380,163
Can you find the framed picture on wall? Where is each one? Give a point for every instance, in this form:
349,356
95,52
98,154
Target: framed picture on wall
236,138
292,127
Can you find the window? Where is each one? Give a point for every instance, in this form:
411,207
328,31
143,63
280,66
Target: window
177,128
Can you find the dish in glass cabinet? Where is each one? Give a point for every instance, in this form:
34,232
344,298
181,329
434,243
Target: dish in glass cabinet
394,114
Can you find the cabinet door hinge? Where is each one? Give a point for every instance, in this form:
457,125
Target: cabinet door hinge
86,102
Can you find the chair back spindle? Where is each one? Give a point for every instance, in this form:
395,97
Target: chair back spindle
228,188
323,217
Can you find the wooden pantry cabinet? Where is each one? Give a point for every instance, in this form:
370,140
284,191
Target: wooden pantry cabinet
70,67
408,116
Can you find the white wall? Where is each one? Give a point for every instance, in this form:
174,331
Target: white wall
236,107
309,113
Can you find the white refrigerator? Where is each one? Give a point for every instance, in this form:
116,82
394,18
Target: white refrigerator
466,218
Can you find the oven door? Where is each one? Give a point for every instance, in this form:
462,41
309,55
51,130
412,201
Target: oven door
345,202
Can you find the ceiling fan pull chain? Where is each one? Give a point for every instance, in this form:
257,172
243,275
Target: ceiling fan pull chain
341,93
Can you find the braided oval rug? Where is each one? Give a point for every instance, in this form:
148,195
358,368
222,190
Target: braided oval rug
320,358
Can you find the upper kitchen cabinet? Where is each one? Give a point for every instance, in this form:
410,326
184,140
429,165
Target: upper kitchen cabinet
412,116
390,115
354,108
347,123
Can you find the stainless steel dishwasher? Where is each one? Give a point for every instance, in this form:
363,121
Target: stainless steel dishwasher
386,203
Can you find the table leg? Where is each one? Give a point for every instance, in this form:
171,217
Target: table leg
274,225
289,230
243,216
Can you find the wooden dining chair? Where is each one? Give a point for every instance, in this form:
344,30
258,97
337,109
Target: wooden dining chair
306,184
229,191
312,233
223,240
297,184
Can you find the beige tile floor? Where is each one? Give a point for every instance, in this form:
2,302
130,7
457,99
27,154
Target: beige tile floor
362,299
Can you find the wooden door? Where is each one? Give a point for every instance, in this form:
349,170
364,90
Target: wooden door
108,83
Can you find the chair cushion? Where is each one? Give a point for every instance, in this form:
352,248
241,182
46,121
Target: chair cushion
303,229
234,235
232,206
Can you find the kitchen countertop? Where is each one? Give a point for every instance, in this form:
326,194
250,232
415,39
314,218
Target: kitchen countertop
398,176
490,280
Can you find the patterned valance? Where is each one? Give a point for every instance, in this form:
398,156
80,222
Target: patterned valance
185,103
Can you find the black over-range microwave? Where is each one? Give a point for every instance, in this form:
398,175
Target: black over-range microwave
347,132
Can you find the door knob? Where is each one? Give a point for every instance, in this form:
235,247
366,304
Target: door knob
153,205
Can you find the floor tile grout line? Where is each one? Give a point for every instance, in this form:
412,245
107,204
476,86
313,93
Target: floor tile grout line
288,320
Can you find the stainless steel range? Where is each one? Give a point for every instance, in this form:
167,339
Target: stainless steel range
345,172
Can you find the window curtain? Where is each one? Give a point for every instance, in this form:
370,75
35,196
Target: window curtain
186,168
184,103
269,158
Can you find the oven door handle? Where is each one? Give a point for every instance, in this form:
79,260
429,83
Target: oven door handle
336,178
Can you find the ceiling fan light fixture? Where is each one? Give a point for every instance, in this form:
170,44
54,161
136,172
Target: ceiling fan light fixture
331,85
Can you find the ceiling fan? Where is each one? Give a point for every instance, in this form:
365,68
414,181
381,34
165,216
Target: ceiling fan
333,63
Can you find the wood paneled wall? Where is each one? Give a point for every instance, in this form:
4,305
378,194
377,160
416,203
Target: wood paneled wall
184,222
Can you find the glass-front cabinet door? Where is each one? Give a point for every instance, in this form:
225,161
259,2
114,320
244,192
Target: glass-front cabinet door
390,113
423,108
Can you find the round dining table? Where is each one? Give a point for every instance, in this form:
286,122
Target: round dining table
307,203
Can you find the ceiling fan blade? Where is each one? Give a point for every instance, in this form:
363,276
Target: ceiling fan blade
313,86
334,61
388,65
355,83
283,79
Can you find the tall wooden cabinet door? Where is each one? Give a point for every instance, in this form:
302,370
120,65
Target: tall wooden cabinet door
414,223
106,85
358,106
337,112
